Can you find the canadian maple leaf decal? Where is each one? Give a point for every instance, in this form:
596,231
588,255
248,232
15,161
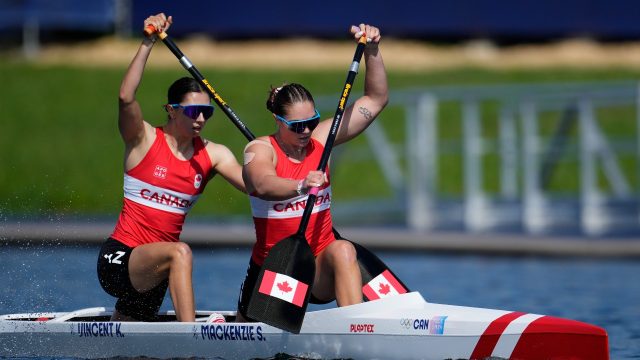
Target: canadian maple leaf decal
384,289
284,287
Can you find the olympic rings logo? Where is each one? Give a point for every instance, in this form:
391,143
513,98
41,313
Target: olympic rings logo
406,323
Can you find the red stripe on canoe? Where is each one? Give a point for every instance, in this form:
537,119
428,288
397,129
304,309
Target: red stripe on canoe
491,335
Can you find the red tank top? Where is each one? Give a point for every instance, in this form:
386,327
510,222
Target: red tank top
159,192
277,220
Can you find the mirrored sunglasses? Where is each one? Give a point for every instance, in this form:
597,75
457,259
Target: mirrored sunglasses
298,126
193,111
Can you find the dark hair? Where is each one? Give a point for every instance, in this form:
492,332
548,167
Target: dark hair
284,96
181,87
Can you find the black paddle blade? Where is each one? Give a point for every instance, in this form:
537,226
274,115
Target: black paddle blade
377,279
278,298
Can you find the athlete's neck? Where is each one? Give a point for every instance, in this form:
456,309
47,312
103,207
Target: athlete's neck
181,147
292,151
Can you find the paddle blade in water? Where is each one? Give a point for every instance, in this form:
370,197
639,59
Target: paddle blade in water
280,298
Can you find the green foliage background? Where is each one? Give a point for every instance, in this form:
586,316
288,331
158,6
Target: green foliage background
61,152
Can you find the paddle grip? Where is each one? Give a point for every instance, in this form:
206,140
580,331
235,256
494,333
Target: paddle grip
149,30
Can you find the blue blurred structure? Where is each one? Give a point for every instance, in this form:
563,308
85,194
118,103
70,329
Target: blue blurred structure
75,15
95,15
453,19
31,17
497,19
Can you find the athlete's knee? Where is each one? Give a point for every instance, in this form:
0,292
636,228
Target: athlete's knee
181,253
344,252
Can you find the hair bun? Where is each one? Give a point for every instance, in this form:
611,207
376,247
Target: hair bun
272,96
281,98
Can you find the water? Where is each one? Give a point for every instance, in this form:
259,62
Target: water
602,292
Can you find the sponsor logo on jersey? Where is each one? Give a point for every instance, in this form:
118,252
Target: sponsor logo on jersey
160,172
197,181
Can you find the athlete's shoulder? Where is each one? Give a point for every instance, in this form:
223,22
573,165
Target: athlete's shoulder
260,141
261,147
213,147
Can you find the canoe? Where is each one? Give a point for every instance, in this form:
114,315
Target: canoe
399,327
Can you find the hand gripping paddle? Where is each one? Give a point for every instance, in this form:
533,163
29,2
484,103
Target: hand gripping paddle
283,288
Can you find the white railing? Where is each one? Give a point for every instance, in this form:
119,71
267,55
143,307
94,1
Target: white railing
540,131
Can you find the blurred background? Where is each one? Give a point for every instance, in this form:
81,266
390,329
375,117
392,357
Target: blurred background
504,118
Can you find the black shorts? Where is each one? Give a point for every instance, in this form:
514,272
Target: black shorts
113,274
250,282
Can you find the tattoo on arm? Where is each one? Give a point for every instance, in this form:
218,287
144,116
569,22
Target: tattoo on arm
365,112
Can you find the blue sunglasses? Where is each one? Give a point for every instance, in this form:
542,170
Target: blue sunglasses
298,126
193,111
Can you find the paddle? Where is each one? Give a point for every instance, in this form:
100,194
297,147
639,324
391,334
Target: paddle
186,63
370,265
284,283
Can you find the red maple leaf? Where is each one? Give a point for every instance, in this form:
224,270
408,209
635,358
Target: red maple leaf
284,287
384,289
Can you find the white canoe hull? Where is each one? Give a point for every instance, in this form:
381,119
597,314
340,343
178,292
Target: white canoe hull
400,327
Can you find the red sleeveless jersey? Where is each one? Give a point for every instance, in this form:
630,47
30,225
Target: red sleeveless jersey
159,192
277,220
